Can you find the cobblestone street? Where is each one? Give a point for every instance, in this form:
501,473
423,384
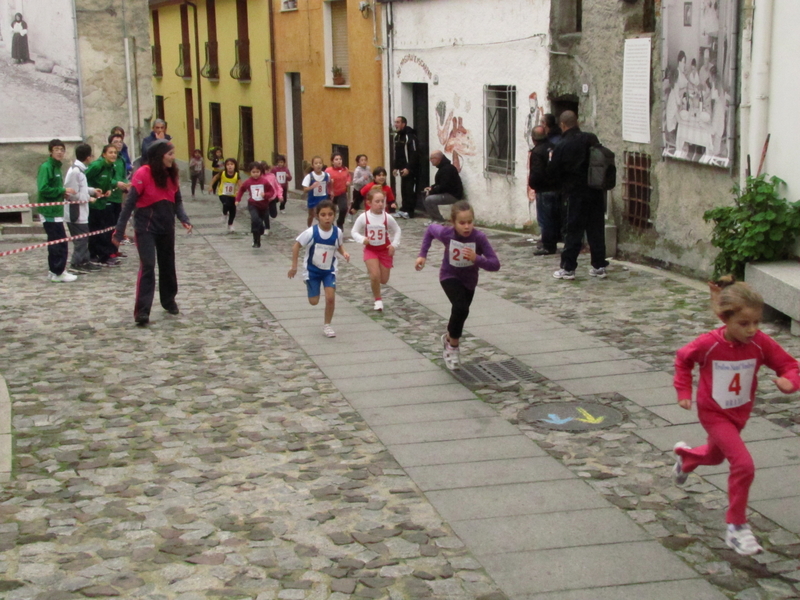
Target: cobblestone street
210,455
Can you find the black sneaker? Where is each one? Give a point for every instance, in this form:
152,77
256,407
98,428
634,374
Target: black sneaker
173,310
543,252
112,262
80,269
142,320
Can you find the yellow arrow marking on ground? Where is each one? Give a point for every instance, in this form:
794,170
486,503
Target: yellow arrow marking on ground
587,418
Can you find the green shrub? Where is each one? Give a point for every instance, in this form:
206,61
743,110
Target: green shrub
759,226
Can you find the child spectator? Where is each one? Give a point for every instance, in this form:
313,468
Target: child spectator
76,216
115,198
217,167
102,175
51,189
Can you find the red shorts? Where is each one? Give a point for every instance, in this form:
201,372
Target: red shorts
381,253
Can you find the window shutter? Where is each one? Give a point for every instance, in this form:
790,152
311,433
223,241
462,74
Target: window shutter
340,54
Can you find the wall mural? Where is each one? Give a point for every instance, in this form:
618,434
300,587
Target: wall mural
533,119
699,63
455,139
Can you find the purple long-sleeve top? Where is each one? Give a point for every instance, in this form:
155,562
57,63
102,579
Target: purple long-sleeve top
453,243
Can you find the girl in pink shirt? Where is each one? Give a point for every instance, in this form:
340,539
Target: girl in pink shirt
729,359
265,193
341,178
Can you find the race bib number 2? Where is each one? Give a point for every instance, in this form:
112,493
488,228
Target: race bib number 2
732,382
323,256
455,253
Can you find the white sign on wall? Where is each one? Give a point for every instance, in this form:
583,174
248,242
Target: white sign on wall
636,91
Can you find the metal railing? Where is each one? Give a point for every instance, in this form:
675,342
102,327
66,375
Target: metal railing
211,69
184,61
241,70
155,53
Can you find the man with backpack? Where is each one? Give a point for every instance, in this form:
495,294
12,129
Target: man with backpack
569,168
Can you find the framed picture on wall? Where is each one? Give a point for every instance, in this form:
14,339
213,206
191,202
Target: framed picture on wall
687,14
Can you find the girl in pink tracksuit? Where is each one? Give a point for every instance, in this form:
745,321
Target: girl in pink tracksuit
729,359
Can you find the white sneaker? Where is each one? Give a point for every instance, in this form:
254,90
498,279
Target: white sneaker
601,272
679,476
328,331
402,215
231,228
266,232
65,277
450,354
378,305
564,274
741,539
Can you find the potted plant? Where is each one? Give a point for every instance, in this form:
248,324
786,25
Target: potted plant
338,76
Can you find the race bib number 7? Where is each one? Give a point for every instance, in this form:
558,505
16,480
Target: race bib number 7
732,382
323,256
455,253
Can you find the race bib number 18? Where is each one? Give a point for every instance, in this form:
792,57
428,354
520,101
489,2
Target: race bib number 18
455,253
323,256
732,382
227,188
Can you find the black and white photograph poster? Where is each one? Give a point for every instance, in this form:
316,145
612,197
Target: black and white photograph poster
699,64
39,94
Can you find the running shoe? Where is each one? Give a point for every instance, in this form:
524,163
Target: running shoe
378,305
564,274
741,539
601,272
65,277
450,354
328,331
679,476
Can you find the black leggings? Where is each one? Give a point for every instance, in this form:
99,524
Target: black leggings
228,207
341,205
259,217
460,299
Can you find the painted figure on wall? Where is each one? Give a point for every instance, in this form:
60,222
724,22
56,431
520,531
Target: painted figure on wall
533,119
19,42
453,136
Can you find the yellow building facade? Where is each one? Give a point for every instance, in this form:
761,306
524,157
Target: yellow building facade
212,76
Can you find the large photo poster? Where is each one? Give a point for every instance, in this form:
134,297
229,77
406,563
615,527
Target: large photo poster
39,91
699,65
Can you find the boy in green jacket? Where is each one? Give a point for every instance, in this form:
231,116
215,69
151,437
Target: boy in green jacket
51,189
121,175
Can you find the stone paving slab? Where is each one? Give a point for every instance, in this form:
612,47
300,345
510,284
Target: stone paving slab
614,383
770,483
539,325
594,369
526,333
571,357
781,510
420,413
413,365
537,346
664,438
334,346
456,429
391,381
302,327
782,452
652,396
514,499
691,589
521,533
361,358
457,451
449,392
675,414
588,566
488,473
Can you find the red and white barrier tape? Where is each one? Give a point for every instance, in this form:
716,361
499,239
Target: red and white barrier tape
15,206
68,239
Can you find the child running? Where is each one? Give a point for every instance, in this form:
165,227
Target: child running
321,242
263,202
729,359
374,228
466,251
379,180
317,185
341,180
361,177
284,176
217,167
197,170
228,181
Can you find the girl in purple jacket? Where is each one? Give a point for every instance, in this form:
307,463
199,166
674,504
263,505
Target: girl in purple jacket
466,251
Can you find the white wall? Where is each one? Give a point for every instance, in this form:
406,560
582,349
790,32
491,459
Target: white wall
465,44
784,126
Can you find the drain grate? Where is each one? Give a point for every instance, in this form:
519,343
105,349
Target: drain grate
494,373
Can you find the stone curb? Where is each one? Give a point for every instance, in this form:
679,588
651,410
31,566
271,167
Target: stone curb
5,432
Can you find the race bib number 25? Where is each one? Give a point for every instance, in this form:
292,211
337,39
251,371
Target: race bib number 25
732,381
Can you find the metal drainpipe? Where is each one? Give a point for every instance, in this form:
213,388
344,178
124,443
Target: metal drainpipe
760,73
273,71
198,76
389,67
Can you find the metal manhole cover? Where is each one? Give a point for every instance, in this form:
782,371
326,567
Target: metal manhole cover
572,416
494,373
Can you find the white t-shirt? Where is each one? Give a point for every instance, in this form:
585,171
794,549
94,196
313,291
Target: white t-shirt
359,227
320,183
307,237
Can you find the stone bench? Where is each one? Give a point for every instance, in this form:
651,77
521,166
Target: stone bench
15,216
779,284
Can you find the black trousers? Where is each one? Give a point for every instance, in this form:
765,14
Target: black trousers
408,191
228,207
549,215
155,249
196,178
341,206
461,299
100,246
259,217
585,214
57,253
358,200
285,187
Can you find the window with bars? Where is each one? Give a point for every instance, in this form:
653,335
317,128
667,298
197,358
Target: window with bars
215,113
160,114
500,119
636,189
158,69
246,136
338,67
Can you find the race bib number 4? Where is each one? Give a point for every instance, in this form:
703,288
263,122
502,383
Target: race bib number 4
455,253
376,235
732,382
323,256
227,188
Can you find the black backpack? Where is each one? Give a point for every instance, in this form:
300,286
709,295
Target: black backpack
602,168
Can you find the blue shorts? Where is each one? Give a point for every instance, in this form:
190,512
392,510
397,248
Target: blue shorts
313,282
314,200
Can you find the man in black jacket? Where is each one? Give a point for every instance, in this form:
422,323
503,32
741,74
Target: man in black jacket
406,166
548,212
569,168
447,187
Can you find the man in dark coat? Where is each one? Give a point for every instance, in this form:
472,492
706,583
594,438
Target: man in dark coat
548,211
447,187
406,166
569,168
159,133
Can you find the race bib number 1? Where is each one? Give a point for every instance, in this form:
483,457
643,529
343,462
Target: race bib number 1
227,188
455,253
323,256
732,382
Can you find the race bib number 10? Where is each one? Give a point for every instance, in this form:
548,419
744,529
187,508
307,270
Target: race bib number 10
455,253
323,256
732,382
